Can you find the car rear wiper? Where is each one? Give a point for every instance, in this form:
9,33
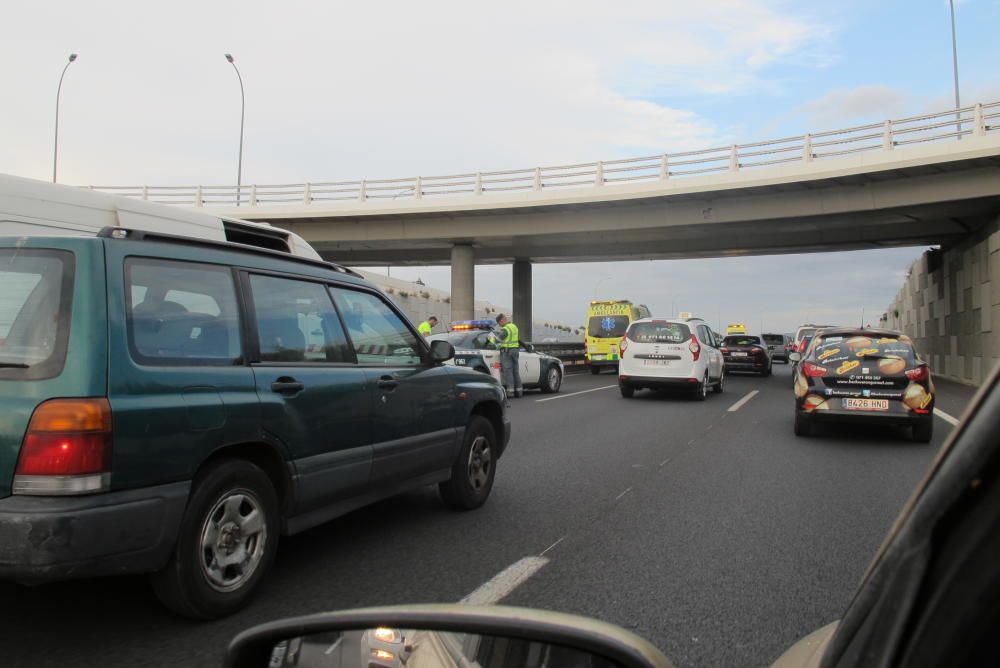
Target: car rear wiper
13,365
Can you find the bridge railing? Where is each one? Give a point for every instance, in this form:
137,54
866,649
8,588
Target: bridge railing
951,125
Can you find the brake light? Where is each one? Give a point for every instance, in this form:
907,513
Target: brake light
724,350
67,449
813,370
695,348
756,350
623,344
802,346
919,373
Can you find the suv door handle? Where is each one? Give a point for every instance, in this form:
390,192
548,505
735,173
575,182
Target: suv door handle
387,383
287,386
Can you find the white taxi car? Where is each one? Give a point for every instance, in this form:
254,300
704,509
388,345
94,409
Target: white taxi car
474,348
659,353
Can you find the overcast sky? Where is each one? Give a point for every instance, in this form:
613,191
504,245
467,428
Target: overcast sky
383,89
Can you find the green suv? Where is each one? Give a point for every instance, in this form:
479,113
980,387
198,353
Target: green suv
171,405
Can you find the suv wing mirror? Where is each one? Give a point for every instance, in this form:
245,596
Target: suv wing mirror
441,351
794,356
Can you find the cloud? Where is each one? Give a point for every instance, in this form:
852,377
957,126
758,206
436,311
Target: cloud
349,90
851,105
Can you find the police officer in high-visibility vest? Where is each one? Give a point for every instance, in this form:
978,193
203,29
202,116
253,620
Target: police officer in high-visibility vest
427,326
509,345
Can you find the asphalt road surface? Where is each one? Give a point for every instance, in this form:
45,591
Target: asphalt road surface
715,533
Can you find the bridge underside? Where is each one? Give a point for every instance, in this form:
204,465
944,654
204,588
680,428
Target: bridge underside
919,204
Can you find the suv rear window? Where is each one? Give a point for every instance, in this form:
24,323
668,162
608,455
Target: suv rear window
607,326
35,307
776,339
659,332
741,340
837,350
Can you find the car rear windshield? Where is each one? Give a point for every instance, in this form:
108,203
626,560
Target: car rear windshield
35,303
607,326
774,338
659,332
840,351
741,340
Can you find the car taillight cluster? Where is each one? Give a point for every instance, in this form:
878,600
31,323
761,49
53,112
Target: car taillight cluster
813,370
623,344
919,373
695,348
724,350
67,449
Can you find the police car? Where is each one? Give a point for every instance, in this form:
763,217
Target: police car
475,347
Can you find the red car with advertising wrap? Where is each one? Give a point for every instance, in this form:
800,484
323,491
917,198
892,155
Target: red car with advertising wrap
863,375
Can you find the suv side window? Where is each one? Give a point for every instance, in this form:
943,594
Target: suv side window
296,322
378,334
181,313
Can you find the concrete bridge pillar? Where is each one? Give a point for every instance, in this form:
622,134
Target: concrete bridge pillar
463,282
522,298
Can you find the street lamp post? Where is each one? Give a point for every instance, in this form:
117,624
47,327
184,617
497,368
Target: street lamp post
55,146
954,61
243,104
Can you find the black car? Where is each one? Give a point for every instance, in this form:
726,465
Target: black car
863,375
746,352
779,345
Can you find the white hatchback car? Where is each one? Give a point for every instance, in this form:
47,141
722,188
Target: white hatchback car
670,353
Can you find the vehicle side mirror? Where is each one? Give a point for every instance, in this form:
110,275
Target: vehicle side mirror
795,357
441,635
441,351
528,347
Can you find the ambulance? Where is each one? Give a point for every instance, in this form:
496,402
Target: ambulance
606,325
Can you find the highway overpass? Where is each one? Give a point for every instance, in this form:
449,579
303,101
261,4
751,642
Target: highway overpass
931,179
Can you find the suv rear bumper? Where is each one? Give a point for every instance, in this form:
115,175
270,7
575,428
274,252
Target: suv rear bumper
61,538
658,381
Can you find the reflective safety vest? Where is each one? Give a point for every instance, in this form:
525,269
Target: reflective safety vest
425,328
510,336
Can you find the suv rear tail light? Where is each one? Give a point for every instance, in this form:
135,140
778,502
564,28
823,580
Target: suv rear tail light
66,450
623,344
756,350
723,350
695,348
919,373
813,370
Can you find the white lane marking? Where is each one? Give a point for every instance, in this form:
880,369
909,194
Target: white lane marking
504,582
947,418
573,394
333,646
618,498
739,404
552,546
664,463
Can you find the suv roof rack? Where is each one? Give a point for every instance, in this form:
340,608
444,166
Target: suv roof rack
257,239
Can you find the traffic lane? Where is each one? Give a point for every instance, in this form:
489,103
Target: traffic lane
953,398
406,549
744,542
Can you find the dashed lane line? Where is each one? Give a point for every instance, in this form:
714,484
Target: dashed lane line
619,497
953,421
739,404
573,394
506,581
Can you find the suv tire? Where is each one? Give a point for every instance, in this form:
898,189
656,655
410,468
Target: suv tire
719,387
702,391
802,425
474,469
923,430
594,370
552,381
627,390
220,521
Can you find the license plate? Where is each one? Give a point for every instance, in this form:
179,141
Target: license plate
866,404
460,361
656,362
739,354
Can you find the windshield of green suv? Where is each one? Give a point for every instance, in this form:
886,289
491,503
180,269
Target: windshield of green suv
34,311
